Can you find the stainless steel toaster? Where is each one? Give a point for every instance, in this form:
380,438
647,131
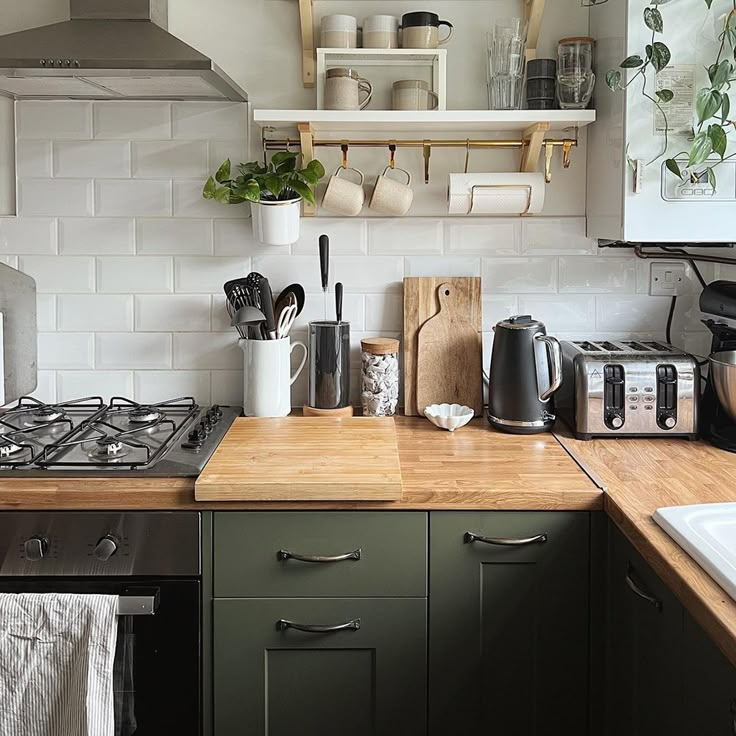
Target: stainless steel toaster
628,388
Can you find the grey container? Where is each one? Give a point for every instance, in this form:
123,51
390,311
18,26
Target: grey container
541,69
329,365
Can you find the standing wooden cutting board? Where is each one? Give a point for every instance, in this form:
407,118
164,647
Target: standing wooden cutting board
304,459
420,304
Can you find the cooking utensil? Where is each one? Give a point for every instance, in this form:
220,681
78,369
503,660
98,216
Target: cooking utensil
526,370
420,303
324,265
449,356
297,290
266,297
247,315
723,376
285,321
338,301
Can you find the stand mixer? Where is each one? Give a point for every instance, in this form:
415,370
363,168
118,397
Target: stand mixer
718,405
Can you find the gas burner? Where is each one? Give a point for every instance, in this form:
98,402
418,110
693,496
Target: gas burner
45,415
108,449
8,448
144,415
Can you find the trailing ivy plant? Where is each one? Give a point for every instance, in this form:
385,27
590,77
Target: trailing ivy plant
708,141
276,181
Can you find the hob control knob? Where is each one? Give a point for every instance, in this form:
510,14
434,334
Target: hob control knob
106,548
35,548
617,422
670,422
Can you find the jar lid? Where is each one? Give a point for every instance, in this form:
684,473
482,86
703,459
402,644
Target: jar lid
380,345
342,72
577,39
411,84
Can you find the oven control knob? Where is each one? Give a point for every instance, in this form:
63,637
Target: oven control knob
670,422
106,548
35,548
616,421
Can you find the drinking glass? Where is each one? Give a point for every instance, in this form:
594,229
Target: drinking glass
506,46
575,77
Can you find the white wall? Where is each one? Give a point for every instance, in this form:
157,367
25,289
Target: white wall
129,260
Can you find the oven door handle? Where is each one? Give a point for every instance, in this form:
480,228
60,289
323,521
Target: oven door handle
137,605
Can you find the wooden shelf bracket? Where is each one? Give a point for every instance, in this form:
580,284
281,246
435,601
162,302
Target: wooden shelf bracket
533,12
306,144
306,21
533,138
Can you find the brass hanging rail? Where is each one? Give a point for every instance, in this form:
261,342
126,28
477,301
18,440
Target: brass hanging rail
274,144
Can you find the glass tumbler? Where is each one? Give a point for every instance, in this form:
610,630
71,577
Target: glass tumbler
575,77
506,47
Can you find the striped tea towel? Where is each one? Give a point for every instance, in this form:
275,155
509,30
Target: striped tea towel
56,664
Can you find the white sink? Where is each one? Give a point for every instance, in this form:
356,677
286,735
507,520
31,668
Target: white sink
707,532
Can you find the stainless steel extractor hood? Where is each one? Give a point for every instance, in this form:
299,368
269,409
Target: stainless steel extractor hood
110,49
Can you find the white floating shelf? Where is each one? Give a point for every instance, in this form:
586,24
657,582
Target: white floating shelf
384,56
461,122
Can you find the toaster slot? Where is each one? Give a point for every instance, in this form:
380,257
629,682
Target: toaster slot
666,396
613,398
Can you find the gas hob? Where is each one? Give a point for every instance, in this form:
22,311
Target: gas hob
89,436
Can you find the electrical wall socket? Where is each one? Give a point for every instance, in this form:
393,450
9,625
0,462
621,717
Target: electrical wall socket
667,279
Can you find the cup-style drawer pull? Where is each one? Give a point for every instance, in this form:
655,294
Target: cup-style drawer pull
284,554
505,541
638,590
282,625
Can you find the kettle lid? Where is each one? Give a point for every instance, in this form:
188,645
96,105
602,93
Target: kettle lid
521,322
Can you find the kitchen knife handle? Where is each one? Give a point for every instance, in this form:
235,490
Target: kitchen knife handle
505,541
266,295
338,301
324,260
638,590
282,625
284,554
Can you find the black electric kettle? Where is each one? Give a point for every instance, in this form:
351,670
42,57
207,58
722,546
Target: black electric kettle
526,370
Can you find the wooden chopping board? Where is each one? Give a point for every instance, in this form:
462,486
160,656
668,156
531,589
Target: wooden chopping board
449,355
304,459
420,304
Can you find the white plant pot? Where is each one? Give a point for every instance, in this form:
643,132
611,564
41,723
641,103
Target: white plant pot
276,223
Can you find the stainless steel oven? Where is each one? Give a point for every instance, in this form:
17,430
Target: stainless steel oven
152,561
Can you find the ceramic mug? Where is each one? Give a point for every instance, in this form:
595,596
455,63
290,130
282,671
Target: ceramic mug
391,197
343,89
339,32
342,196
413,94
381,32
267,376
421,30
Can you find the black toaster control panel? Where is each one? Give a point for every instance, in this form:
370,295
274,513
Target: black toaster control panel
614,409
666,396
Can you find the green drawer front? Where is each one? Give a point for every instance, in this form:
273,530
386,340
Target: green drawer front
363,681
249,562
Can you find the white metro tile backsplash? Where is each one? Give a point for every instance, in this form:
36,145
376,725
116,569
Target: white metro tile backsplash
130,260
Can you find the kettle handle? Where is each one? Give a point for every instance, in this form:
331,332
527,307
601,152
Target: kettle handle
555,355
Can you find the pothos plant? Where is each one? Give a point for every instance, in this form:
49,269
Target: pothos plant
278,180
708,141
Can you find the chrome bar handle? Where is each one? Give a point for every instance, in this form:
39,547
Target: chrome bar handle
282,625
505,541
284,554
638,590
555,356
137,605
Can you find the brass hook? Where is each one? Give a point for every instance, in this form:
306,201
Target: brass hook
467,154
427,151
288,143
548,151
566,148
344,149
392,154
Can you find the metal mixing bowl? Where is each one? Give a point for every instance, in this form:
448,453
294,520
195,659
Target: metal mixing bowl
723,374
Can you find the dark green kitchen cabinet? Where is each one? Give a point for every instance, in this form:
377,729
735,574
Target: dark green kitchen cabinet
320,667
644,659
709,702
509,643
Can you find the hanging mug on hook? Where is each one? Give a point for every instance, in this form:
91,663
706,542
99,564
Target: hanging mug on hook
392,197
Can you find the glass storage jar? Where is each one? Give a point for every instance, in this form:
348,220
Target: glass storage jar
379,376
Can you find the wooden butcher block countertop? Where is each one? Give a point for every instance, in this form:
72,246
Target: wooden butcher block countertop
644,475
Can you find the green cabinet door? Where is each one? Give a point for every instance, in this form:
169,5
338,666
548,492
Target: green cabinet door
709,702
278,675
644,648
509,623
